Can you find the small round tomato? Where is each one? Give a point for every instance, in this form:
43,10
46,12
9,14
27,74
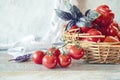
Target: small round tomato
84,29
111,39
49,61
103,8
84,39
74,27
64,60
118,36
103,30
112,31
114,23
106,16
76,52
93,32
38,56
54,51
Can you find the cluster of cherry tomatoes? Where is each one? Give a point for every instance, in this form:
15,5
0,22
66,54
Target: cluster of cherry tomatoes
54,56
103,25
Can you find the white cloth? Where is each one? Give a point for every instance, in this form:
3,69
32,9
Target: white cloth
29,44
55,33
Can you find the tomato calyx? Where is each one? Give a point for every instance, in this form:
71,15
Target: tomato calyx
78,46
63,52
50,54
53,51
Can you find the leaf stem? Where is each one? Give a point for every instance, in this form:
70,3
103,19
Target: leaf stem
63,45
11,59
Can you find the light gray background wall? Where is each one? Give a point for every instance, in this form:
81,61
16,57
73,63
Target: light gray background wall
19,18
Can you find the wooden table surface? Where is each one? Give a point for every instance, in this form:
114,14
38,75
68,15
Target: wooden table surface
76,71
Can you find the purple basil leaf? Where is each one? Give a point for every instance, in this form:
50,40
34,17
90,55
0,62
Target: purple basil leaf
23,58
64,15
87,12
76,13
70,24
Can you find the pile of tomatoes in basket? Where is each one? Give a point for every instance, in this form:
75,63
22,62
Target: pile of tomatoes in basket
54,57
103,25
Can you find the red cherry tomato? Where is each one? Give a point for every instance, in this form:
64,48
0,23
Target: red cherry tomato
84,29
118,36
54,51
103,30
84,39
112,31
93,32
114,23
76,52
106,16
111,39
103,8
37,57
73,27
49,61
64,60
104,19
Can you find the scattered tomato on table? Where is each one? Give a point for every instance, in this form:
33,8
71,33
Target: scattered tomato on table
49,61
76,52
64,60
37,56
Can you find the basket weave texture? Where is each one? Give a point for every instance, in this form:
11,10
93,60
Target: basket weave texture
102,52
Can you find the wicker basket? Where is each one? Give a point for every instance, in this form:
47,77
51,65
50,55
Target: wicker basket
102,52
